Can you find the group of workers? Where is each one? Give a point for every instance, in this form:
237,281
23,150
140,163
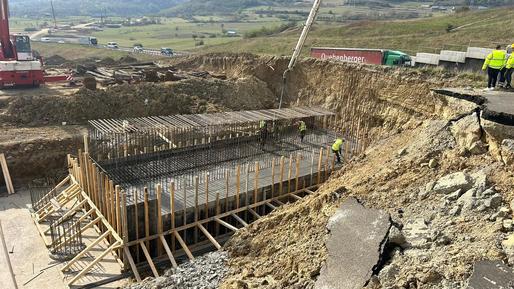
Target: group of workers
337,146
499,63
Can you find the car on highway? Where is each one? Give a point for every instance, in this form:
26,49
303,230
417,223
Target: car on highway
138,48
45,39
166,51
112,45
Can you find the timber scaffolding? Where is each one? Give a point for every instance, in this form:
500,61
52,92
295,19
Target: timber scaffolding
162,189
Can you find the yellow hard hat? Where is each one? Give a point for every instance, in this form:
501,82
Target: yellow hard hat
512,45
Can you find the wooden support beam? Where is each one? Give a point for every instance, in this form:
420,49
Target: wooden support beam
254,213
147,217
87,249
239,220
227,225
271,206
90,265
132,264
278,202
209,236
168,251
183,245
295,196
149,259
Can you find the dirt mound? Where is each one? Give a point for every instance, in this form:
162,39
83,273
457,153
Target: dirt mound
127,60
55,60
195,95
107,61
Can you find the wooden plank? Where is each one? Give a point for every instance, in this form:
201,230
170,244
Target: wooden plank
168,251
273,178
256,182
149,259
184,246
196,215
132,264
295,196
227,225
6,174
297,172
209,236
206,209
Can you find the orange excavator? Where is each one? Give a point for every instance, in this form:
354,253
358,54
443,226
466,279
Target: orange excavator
18,66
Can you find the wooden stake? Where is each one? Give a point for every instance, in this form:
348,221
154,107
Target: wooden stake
196,209
320,160
238,185
159,217
206,195
273,178
289,173
172,214
147,218
281,186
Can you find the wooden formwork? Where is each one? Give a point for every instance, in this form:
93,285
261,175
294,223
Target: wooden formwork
104,207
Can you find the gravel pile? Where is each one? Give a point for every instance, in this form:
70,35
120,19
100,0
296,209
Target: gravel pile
204,272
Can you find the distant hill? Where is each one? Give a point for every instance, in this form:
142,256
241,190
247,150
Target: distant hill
209,7
91,7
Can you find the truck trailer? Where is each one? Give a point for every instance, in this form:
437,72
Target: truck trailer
363,55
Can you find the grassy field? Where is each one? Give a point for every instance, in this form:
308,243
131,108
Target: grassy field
73,52
484,29
177,33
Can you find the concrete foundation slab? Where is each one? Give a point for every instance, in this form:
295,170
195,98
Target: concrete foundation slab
356,241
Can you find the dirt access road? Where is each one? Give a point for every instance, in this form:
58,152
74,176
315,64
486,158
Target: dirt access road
32,266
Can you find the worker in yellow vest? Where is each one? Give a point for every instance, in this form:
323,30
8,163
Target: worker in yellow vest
337,147
510,69
302,128
494,62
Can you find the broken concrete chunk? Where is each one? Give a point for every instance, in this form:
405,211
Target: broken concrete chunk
467,133
453,182
389,272
493,202
454,196
356,240
467,201
432,163
417,234
396,237
491,275
507,151
508,248
507,225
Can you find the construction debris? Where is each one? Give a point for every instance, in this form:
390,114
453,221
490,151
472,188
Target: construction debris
491,275
356,239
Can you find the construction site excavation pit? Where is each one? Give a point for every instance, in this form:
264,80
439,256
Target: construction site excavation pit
171,187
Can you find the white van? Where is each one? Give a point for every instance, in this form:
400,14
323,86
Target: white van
112,45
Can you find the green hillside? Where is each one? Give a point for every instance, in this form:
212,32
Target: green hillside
455,32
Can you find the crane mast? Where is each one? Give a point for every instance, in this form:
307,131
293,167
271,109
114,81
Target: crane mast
7,51
299,46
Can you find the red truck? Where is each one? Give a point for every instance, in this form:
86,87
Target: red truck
363,55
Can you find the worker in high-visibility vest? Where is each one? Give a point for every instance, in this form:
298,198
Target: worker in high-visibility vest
503,72
302,128
494,62
510,69
337,147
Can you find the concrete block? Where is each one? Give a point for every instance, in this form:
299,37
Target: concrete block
354,246
452,56
427,58
477,52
